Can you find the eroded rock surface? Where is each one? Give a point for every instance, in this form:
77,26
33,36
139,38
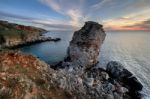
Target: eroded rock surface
85,45
23,76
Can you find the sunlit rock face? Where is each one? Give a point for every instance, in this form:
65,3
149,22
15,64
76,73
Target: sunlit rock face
85,45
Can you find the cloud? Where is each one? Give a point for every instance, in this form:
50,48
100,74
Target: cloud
114,14
54,26
8,15
49,24
145,25
140,4
71,9
52,4
137,26
133,21
100,4
79,12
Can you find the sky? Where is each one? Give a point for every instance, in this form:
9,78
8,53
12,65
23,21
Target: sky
67,15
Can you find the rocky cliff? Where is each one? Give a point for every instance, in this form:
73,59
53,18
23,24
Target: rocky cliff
24,76
14,34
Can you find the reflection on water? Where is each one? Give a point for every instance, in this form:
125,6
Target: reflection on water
131,49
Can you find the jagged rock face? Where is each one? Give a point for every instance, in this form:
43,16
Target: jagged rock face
26,77
85,45
23,76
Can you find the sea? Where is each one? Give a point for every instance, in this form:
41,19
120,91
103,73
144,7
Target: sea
132,49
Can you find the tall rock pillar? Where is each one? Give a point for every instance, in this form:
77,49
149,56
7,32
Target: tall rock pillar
85,45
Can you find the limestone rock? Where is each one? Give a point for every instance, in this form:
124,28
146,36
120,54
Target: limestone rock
85,45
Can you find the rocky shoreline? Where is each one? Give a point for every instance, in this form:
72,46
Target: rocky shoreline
24,76
14,35
40,40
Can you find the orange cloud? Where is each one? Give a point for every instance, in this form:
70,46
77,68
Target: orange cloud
123,18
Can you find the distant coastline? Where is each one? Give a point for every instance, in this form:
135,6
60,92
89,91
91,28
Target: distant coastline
15,35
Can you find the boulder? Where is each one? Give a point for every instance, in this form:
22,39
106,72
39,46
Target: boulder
119,73
85,45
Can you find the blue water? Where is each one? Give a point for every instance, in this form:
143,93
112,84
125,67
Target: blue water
51,52
130,48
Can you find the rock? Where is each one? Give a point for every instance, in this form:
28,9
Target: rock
117,96
98,74
30,78
133,81
109,96
89,81
17,43
2,39
85,45
118,72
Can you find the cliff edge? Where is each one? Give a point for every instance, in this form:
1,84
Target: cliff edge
23,76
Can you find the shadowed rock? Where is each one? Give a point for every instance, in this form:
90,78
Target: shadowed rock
119,73
2,39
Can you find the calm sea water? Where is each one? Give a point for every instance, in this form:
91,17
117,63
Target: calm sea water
130,48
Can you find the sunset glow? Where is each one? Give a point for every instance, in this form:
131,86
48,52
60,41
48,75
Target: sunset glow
71,14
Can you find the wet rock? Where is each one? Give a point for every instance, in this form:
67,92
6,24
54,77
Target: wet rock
133,83
119,73
85,45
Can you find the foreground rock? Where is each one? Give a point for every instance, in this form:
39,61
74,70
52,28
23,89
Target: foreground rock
119,73
23,76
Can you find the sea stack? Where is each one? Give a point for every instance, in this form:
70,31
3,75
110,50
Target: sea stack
85,45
